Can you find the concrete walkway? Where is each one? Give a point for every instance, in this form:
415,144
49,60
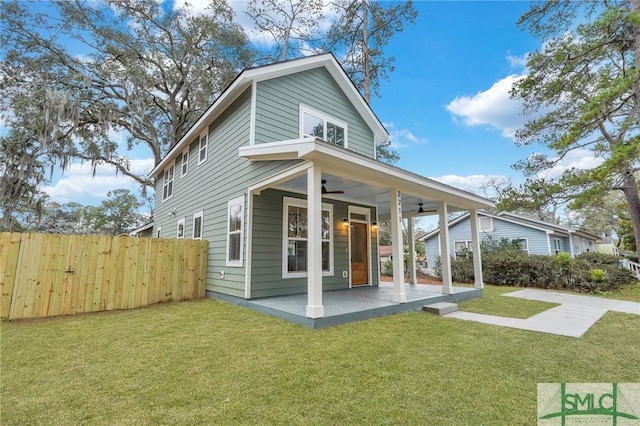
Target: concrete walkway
575,315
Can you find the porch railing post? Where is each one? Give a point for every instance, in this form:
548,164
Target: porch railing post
315,309
395,199
445,253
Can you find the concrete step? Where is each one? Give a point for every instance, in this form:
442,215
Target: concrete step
441,308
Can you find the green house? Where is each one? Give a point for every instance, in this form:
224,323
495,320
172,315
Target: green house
280,175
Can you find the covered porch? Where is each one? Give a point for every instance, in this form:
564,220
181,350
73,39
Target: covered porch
392,193
355,304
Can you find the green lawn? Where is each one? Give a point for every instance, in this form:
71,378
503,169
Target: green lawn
209,362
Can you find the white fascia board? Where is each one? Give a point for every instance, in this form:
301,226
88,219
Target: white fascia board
281,150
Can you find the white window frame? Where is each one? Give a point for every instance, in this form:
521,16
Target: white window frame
230,204
184,164
557,245
181,222
202,148
159,232
325,118
481,227
168,184
526,243
197,215
297,202
468,245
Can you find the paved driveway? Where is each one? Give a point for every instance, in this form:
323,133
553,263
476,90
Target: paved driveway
575,315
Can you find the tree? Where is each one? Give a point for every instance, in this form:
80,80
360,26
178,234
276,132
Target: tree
583,92
66,218
292,24
359,36
144,72
22,171
118,214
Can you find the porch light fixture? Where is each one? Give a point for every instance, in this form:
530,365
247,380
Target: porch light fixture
374,224
345,222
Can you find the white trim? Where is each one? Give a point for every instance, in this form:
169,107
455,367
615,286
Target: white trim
159,232
186,154
481,228
305,109
367,221
231,203
252,114
206,148
180,221
170,184
247,270
196,215
277,178
299,202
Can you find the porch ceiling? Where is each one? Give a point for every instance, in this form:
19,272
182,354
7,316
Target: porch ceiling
363,179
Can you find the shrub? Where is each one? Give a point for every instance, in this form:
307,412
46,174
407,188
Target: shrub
598,275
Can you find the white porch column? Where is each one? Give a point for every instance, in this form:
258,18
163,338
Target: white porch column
412,252
315,309
395,199
475,247
445,253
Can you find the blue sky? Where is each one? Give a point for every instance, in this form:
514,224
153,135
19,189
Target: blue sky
446,106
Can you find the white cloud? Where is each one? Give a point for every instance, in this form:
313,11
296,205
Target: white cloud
79,185
518,62
493,107
472,183
580,159
401,138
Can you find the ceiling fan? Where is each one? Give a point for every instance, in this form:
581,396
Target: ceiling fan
422,210
324,189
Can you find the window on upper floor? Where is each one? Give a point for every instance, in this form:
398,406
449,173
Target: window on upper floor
158,231
185,163
486,224
167,183
198,225
317,124
235,225
202,149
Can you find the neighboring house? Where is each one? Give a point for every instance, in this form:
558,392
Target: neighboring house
145,230
534,236
608,246
280,175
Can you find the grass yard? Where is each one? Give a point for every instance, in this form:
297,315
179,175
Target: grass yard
209,362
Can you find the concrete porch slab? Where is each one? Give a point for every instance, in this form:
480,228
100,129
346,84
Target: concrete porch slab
441,308
355,304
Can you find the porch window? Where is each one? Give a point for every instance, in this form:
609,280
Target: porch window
167,183
314,123
235,225
180,228
295,247
202,150
197,225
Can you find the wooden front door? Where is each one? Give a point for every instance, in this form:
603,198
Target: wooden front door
359,254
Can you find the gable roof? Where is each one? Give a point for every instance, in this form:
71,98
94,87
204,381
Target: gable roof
250,76
517,219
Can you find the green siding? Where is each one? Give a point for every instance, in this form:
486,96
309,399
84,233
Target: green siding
210,185
277,108
266,273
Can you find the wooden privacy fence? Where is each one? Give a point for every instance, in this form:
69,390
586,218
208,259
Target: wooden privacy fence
43,275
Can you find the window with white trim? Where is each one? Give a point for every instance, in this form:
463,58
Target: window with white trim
184,168
485,224
317,124
295,238
202,148
235,228
557,245
198,225
523,243
462,248
167,183
158,231
180,228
